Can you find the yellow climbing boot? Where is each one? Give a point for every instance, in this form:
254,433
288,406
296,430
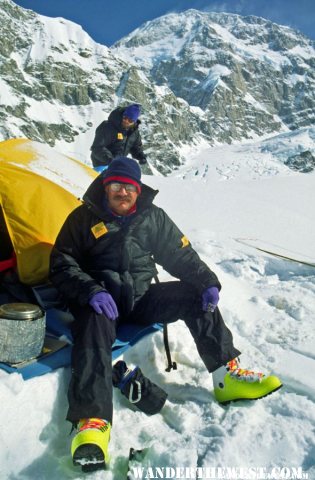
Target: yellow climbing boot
89,448
233,383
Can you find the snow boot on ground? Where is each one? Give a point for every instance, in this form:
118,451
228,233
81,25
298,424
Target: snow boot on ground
89,448
234,383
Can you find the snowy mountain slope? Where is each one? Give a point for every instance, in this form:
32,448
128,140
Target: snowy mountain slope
247,75
201,79
267,302
57,85
250,160
42,98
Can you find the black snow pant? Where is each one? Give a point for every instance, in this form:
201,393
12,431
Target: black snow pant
90,390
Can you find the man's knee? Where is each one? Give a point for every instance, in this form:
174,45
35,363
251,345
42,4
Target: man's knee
92,328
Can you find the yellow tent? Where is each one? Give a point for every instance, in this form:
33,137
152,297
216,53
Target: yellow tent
34,207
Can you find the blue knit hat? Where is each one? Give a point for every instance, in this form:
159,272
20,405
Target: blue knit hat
123,170
132,112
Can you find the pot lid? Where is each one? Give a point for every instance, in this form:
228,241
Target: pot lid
20,311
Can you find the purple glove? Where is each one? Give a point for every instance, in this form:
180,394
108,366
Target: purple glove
210,299
103,302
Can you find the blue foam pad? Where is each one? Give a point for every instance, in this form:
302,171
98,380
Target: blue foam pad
57,325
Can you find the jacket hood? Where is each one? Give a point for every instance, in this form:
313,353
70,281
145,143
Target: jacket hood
115,117
94,196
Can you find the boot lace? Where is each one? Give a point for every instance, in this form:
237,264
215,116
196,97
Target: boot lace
243,374
95,423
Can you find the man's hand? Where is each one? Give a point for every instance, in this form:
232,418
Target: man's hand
210,299
143,160
103,302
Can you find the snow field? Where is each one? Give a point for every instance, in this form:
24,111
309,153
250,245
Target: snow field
267,302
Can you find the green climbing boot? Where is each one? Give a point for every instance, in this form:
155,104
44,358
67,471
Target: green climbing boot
89,447
234,383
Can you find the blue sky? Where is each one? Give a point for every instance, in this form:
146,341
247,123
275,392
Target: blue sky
107,21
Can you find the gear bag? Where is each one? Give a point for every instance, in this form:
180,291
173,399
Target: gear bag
139,390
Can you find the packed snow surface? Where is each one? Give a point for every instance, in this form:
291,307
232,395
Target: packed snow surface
228,201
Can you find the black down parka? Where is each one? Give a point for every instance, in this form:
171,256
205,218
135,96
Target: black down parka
111,141
95,252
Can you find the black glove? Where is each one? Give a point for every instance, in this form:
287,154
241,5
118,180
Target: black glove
143,160
139,390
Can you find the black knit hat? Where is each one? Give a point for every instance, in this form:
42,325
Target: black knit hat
123,170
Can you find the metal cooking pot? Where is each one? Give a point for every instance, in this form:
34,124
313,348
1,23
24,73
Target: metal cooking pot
22,332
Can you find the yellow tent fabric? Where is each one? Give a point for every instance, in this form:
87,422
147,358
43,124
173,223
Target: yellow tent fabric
34,209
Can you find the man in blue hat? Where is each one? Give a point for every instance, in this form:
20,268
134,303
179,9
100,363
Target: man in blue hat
118,136
103,263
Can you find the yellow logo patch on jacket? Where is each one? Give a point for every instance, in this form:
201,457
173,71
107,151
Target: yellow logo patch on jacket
99,230
185,241
120,136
